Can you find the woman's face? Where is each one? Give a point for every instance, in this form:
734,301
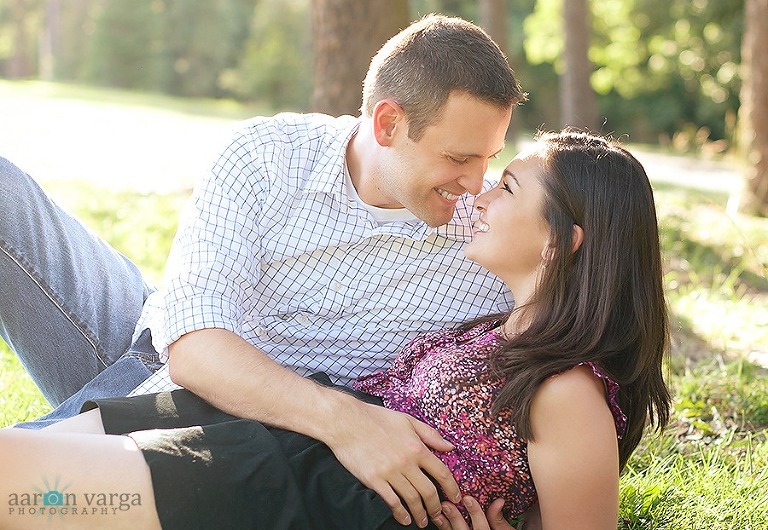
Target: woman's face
511,235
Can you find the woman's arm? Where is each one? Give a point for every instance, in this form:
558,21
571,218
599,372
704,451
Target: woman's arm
574,455
73,480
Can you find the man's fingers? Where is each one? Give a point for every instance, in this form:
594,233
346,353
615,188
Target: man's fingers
415,499
435,468
399,512
427,493
430,436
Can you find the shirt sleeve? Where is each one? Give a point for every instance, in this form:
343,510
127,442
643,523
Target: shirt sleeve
217,248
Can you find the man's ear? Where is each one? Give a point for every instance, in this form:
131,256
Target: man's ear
577,237
388,116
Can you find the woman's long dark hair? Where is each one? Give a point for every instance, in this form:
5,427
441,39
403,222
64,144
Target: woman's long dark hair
603,303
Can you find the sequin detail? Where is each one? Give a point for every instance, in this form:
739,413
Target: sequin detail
442,379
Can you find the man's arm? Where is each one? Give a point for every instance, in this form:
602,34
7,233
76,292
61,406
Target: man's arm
386,450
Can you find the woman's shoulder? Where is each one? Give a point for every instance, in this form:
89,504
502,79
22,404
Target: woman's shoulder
579,381
577,398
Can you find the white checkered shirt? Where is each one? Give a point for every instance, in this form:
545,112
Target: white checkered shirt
275,250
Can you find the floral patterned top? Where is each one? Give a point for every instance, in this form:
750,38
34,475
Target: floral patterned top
442,379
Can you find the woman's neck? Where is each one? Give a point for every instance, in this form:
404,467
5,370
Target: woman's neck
520,318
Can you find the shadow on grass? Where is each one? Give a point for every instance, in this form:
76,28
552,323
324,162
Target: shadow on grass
709,264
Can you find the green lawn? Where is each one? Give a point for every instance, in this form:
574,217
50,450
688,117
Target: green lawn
708,470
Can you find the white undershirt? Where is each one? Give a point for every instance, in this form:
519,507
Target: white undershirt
381,215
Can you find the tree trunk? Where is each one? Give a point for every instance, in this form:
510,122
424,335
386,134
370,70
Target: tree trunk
753,111
346,34
19,63
577,98
48,49
493,17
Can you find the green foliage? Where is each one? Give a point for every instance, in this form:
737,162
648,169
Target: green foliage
179,47
141,226
277,58
708,469
120,51
716,272
665,72
201,40
659,68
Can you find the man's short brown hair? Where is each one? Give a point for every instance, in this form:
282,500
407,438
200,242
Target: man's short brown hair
433,57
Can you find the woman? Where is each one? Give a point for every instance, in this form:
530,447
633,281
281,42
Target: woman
543,405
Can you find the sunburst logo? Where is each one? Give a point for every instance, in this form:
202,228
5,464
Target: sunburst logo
51,498
55,493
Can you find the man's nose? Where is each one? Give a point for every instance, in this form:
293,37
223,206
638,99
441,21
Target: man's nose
472,180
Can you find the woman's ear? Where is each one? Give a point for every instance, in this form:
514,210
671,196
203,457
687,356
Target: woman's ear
577,237
387,116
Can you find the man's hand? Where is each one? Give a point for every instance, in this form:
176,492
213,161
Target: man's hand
389,452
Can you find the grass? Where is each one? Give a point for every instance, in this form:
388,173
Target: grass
707,470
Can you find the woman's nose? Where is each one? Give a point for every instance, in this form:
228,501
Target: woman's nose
482,201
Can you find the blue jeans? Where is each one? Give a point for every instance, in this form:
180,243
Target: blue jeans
68,302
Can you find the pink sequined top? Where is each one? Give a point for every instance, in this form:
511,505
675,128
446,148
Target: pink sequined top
442,379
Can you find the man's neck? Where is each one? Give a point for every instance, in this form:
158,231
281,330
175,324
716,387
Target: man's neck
361,159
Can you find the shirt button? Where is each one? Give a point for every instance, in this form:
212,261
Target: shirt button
262,333
337,286
303,319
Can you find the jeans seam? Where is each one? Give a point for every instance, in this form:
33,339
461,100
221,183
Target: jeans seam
27,269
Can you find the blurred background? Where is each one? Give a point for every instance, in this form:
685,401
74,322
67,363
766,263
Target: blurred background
679,74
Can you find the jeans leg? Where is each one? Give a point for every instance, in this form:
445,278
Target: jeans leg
117,379
68,301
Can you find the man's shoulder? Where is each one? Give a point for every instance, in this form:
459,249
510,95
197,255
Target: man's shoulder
295,127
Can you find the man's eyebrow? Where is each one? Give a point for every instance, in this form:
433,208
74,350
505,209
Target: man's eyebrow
508,173
475,155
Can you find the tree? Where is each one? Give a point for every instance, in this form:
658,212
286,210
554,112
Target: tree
277,57
20,37
753,113
493,17
578,101
346,34
49,40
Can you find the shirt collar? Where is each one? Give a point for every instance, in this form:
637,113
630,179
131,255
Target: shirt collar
328,174
328,177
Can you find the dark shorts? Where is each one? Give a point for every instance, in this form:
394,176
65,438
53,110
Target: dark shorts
212,470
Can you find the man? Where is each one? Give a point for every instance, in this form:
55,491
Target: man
315,244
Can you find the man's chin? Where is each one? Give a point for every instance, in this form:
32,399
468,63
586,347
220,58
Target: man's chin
436,221
433,217
438,224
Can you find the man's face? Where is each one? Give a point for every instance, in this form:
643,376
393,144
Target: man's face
450,159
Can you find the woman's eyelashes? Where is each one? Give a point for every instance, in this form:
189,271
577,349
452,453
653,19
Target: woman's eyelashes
506,187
